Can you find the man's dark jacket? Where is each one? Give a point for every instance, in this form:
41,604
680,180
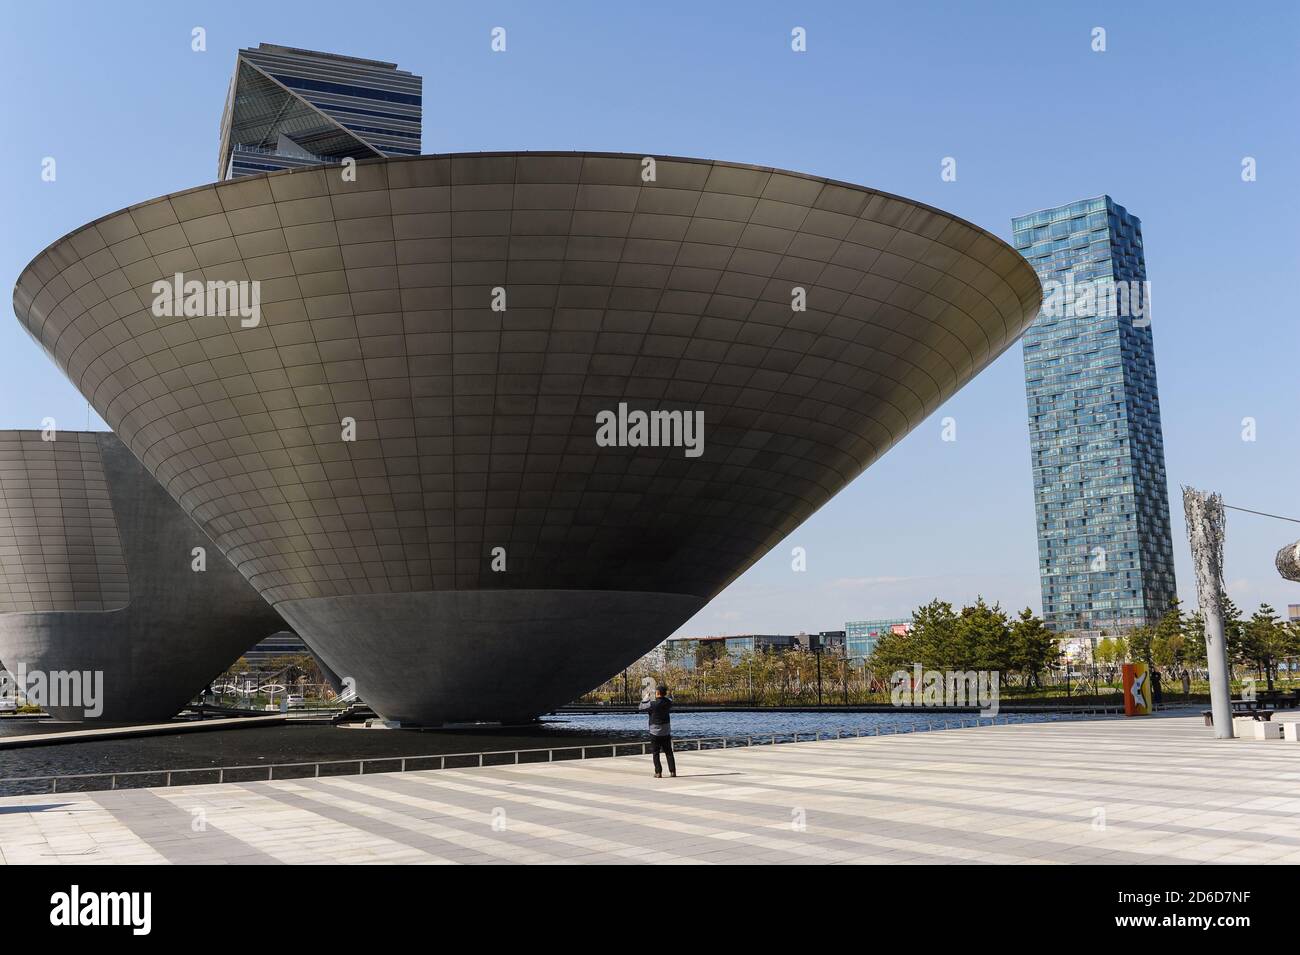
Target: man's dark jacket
660,710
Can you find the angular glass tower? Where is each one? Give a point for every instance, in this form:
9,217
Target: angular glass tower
1105,553
288,108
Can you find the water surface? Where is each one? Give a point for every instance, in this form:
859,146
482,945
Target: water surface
311,742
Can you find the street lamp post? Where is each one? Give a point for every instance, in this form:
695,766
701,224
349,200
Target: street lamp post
819,670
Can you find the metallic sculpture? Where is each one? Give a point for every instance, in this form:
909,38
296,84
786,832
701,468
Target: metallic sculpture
1205,532
401,451
114,606
1288,562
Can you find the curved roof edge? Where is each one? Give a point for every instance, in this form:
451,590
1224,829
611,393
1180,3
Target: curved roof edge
558,153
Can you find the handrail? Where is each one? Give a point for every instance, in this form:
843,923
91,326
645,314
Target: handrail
763,739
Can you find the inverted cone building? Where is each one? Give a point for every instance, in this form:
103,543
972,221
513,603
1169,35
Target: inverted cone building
107,611
403,450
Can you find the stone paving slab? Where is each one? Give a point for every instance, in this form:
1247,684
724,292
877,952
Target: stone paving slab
1114,791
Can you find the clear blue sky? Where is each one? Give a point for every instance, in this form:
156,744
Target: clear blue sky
1012,90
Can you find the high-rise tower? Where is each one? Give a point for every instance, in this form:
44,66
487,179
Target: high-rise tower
1100,494
289,108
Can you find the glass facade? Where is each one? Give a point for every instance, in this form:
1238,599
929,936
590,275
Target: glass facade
691,652
1101,499
860,636
289,108
286,643
831,641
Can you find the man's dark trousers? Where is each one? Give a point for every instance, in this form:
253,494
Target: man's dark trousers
664,743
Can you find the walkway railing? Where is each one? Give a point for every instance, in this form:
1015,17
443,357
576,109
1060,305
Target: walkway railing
503,757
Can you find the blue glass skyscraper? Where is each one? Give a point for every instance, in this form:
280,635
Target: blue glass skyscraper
1101,499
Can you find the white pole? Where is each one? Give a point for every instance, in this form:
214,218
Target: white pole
1205,529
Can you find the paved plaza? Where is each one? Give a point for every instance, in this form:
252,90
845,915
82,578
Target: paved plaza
1160,790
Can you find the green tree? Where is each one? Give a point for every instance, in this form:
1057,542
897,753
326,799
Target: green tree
1034,648
1170,623
1264,640
934,635
1167,641
982,639
930,641
892,652
1234,632
1194,639
1139,644
1167,651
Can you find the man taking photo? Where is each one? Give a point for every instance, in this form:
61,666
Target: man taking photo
661,730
